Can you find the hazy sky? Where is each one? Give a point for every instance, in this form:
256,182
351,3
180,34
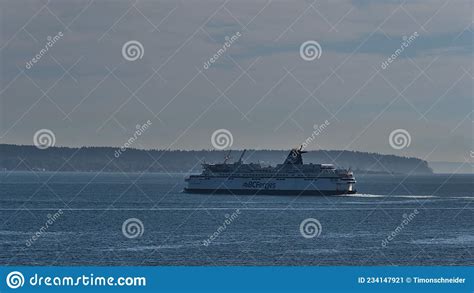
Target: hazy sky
260,88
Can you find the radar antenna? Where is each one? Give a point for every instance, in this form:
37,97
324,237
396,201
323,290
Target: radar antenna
301,150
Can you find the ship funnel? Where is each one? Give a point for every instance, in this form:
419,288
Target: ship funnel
294,157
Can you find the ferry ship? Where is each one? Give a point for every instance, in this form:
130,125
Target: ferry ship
290,178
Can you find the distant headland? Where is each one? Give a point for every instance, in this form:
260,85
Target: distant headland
110,159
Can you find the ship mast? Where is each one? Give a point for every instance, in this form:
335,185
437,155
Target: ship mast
227,157
241,156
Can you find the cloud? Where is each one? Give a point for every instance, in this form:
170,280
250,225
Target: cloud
258,88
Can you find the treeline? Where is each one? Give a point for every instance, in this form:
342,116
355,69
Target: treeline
107,159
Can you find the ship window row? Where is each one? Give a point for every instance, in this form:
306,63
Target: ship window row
274,175
308,177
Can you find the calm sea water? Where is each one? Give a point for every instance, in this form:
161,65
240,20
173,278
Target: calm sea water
265,232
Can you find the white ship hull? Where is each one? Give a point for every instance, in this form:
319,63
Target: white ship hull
247,185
